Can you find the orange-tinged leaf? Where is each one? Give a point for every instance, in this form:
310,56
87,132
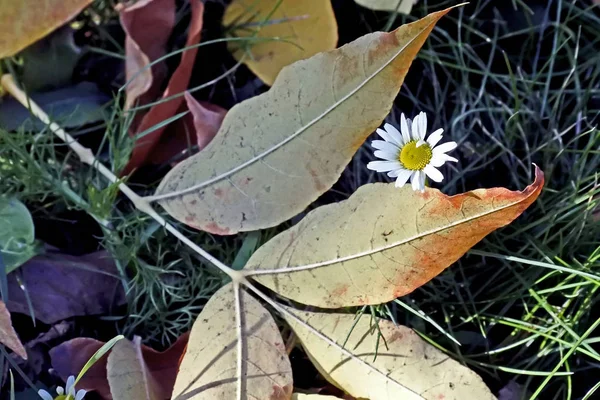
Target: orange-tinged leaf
309,26
277,152
8,336
403,366
381,243
23,22
209,369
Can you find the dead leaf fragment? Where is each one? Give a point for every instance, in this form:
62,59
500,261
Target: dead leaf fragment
207,118
277,152
68,358
24,22
62,286
208,369
401,6
302,396
129,376
8,336
381,243
308,26
407,368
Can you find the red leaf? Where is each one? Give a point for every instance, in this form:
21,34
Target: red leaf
68,358
147,25
177,84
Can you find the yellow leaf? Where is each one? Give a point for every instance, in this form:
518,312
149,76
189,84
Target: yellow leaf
23,22
308,27
128,375
381,243
301,396
208,369
278,152
406,367
401,6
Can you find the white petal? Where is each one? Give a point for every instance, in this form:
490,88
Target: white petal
414,180
383,145
423,129
383,166
435,137
60,390
437,160
394,134
444,147
449,158
80,394
70,382
420,143
404,128
386,155
409,123
422,181
384,135
45,395
433,173
403,176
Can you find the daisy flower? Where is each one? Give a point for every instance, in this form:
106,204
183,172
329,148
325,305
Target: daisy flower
66,393
408,155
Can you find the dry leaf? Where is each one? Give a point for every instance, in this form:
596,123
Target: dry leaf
207,118
143,45
301,396
8,336
381,243
69,357
178,83
62,286
278,152
208,369
308,26
401,6
128,375
23,22
406,367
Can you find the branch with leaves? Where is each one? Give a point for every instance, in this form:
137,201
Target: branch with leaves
273,156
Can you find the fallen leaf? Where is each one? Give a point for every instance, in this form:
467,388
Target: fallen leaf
8,336
208,369
144,45
49,63
308,27
24,22
61,286
207,119
301,396
178,83
16,233
401,6
277,152
381,243
404,366
129,376
68,358
71,107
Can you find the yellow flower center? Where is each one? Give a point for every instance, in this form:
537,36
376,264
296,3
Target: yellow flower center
415,158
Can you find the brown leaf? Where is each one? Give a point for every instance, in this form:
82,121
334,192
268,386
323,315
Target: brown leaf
147,25
177,84
61,286
23,22
207,119
8,336
68,358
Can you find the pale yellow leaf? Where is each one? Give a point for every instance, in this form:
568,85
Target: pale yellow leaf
381,243
408,368
23,22
277,152
308,27
402,6
302,396
128,375
208,369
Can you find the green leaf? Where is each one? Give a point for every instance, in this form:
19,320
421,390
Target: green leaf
392,361
16,233
277,152
248,248
381,243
